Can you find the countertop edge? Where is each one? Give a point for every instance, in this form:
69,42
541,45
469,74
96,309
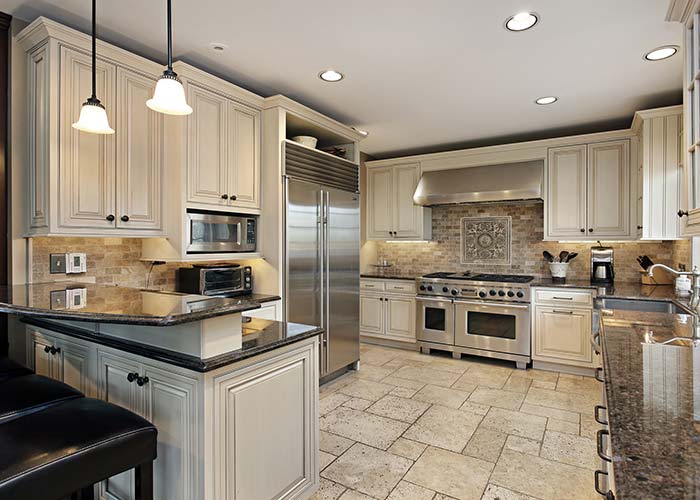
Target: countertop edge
165,355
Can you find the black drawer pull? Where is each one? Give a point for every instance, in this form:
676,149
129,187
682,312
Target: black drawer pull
599,375
599,441
141,381
598,490
596,414
132,376
47,348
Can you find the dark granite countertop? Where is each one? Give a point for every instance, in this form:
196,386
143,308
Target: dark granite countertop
259,336
618,290
112,304
390,274
653,393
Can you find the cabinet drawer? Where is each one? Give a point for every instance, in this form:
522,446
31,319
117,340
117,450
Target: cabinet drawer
400,287
579,298
372,285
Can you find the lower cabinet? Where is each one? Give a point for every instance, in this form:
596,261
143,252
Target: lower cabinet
388,310
219,433
562,331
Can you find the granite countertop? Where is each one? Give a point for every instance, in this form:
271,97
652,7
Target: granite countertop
390,274
112,304
259,336
635,291
653,393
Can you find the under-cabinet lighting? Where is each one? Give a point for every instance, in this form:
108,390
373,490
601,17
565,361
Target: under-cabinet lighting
408,241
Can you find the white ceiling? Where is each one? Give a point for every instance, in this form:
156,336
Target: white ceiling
421,75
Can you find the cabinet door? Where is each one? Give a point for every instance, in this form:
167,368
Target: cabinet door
139,136
39,126
170,404
371,314
407,215
74,366
86,170
114,387
401,317
243,156
609,189
566,192
42,361
207,138
380,205
563,335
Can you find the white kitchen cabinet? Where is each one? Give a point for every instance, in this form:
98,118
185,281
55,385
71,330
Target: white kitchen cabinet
69,361
388,310
588,192
561,328
660,172
391,213
268,310
86,184
224,151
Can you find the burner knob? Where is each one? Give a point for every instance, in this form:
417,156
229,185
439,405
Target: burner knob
430,288
422,288
501,293
482,294
492,292
520,294
511,294
445,289
454,291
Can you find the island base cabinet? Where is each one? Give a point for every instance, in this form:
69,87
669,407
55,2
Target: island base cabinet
562,335
266,423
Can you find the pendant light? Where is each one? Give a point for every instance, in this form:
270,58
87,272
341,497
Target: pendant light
169,96
93,117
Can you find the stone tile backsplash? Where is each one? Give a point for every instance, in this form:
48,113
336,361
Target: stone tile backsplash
443,253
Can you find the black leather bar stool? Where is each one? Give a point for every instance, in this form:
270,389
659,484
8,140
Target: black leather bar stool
26,394
9,369
70,446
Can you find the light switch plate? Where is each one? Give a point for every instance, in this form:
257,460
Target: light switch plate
57,263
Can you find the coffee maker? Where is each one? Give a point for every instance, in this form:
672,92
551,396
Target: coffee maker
602,269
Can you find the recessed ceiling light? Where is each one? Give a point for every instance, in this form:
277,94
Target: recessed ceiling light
660,53
546,100
330,75
218,46
521,21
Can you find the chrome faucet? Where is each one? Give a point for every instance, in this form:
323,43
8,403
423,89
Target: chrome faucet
695,289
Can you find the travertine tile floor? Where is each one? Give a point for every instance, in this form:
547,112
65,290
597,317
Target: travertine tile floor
409,426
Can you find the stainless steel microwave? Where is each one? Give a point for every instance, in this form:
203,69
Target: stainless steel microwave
220,233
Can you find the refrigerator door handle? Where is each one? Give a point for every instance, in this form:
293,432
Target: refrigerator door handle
326,275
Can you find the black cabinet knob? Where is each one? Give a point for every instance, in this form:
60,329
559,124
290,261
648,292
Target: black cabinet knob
682,213
141,381
55,350
110,218
224,197
125,218
47,348
234,197
639,227
583,230
132,376
590,229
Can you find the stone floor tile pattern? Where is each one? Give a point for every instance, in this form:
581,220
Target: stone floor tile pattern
428,427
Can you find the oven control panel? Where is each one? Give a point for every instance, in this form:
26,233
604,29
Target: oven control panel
506,292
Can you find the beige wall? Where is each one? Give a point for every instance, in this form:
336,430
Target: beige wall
443,253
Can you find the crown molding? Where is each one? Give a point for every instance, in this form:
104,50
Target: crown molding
680,11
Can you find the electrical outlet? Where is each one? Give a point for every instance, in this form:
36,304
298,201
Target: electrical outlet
76,263
57,263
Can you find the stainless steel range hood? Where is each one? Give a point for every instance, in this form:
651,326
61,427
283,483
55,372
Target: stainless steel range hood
512,181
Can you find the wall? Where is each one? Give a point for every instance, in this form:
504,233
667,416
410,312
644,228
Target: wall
443,253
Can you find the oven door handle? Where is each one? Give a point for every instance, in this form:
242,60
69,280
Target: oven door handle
507,304
430,299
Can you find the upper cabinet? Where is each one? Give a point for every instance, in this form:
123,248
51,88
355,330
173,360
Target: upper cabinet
660,173
588,192
81,183
391,213
223,139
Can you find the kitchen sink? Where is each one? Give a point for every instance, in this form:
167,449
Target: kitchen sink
659,306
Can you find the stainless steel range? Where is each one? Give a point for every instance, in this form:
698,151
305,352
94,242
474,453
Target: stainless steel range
480,314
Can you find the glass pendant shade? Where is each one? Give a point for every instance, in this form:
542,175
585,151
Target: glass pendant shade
93,118
169,96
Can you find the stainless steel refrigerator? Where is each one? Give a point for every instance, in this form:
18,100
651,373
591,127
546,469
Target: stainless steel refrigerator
322,278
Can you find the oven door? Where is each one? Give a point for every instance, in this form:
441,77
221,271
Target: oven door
435,320
214,233
493,327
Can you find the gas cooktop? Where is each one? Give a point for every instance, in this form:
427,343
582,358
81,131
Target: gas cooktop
494,278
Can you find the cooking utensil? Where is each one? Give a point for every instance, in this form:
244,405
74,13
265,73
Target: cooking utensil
548,256
563,256
571,256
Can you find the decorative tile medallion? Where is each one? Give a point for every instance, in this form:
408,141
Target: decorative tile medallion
485,240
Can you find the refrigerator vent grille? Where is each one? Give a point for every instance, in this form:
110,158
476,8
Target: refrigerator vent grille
316,166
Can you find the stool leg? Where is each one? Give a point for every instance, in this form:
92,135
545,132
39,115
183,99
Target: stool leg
144,481
87,493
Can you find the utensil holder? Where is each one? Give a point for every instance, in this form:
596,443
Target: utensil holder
558,270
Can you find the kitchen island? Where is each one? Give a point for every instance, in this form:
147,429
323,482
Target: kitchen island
232,397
